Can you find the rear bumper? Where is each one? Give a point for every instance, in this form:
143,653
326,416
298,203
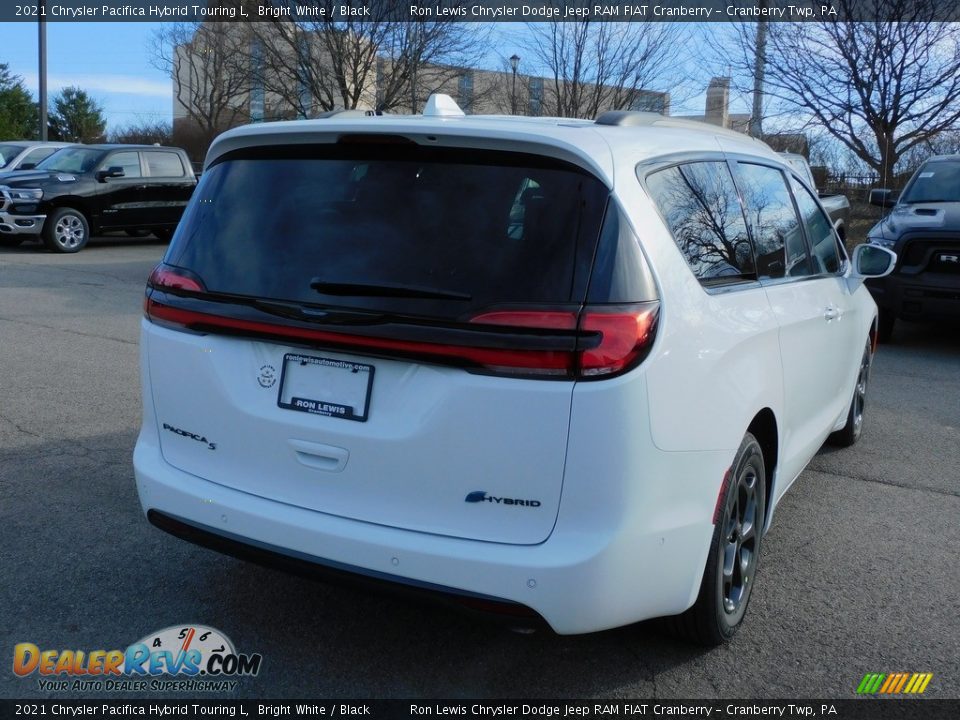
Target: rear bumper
21,224
928,296
324,570
576,581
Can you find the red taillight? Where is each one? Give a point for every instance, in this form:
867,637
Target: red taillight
531,362
625,339
166,277
609,340
613,339
545,319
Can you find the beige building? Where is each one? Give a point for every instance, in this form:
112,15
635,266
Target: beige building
226,74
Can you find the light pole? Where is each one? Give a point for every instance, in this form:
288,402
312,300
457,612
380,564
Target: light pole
514,63
42,52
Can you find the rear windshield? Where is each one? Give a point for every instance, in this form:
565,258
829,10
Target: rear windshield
473,228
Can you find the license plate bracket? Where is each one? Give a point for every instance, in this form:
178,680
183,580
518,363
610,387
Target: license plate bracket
325,386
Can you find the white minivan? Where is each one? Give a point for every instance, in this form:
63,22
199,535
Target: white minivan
557,369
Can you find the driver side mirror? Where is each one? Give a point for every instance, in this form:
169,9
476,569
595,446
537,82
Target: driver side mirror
873,261
111,172
27,166
883,197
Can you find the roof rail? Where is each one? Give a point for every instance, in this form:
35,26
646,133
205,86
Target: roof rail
632,118
349,113
628,118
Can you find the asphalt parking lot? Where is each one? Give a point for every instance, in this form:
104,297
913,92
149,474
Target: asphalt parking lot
858,574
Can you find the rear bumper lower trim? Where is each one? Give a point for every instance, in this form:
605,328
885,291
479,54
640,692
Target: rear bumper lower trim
333,572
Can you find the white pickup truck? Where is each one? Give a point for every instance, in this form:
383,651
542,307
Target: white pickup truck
836,205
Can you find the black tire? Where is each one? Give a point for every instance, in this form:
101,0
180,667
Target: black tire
850,433
66,231
734,550
10,241
137,232
163,234
885,326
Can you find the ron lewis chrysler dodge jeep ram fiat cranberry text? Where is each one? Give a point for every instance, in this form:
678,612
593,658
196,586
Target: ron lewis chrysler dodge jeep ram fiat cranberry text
554,367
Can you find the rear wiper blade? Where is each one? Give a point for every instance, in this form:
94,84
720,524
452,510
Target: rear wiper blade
385,290
319,315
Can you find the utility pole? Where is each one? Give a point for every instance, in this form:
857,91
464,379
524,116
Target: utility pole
760,61
42,50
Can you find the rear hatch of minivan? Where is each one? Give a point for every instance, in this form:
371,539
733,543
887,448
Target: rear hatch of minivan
380,331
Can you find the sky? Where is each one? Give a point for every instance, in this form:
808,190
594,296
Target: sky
111,61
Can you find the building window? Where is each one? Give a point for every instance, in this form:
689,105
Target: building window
256,72
465,92
536,96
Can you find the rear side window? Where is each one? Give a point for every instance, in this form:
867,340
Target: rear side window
700,204
778,238
163,164
472,229
823,241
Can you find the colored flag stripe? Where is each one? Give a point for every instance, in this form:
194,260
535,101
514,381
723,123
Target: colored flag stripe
893,683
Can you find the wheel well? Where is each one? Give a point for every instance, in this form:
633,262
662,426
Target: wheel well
764,428
75,203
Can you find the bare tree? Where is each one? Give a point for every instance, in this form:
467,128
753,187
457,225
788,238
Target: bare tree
144,132
378,61
209,64
595,66
879,87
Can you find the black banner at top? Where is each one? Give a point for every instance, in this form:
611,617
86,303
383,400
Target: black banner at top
479,10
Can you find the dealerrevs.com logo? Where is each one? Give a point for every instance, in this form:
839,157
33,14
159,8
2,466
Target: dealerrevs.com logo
187,658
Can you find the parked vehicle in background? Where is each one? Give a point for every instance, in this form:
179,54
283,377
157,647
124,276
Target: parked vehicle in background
923,228
836,204
553,369
87,189
26,154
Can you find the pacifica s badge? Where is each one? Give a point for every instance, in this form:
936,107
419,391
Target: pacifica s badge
192,436
481,496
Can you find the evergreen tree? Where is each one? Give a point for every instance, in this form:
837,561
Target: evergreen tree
76,117
18,112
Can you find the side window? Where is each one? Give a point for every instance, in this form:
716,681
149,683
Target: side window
129,161
163,164
820,233
38,154
699,202
777,235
